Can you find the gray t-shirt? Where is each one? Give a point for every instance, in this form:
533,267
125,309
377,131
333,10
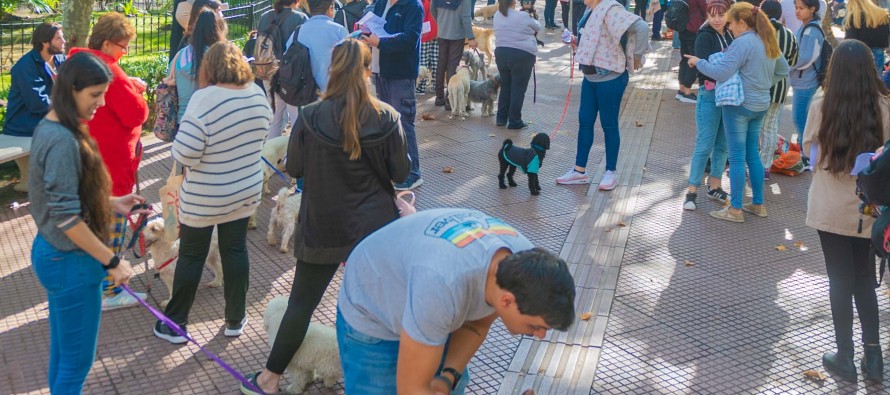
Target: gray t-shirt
424,274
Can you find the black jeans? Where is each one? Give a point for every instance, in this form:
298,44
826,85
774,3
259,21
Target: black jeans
640,8
515,68
687,47
578,9
310,282
450,52
194,245
850,263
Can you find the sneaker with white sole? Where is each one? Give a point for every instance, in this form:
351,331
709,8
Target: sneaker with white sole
235,329
609,181
121,300
407,186
689,203
573,177
162,331
686,97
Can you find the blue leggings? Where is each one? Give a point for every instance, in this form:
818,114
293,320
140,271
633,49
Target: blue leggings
603,98
72,280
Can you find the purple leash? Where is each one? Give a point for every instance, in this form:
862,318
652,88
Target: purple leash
175,327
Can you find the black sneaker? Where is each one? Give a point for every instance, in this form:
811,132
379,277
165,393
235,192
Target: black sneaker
689,204
499,123
686,97
517,126
162,331
718,194
235,329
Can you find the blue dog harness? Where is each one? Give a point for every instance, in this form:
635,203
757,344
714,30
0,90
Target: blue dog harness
525,159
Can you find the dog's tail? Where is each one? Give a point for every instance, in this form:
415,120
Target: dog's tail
282,197
507,144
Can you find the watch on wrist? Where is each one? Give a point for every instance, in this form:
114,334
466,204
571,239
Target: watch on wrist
115,260
454,373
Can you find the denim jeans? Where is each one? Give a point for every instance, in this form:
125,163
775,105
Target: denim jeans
800,107
743,137
603,98
72,280
710,139
879,59
657,17
369,363
550,13
769,135
400,95
281,115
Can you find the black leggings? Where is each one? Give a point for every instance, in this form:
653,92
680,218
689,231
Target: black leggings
850,264
310,282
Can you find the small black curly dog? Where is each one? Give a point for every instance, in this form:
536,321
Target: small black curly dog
528,159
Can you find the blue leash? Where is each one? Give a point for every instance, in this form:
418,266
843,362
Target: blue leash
280,174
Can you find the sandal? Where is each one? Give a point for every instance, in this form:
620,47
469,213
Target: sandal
759,210
727,215
252,378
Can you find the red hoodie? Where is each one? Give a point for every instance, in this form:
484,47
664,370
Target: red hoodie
428,17
117,125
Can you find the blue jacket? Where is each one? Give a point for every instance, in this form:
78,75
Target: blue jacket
29,93
400,54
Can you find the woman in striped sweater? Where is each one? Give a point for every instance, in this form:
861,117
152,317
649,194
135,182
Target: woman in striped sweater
219,141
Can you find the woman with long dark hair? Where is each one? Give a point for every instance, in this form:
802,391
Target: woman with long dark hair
69,190
852,118
349,147
756,57
189,15
209,29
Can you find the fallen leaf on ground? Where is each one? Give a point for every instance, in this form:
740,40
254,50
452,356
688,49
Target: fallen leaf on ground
585,316
427,117
529,392
638,124
689,263
781,248
815,375
621,223
448,169
800,245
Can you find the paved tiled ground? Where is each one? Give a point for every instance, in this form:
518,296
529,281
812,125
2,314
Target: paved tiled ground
745,319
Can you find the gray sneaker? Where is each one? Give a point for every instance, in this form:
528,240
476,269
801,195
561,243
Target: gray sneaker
407,185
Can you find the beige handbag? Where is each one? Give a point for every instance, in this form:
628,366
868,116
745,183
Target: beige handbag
170,204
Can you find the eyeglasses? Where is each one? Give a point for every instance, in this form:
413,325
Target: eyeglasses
125,48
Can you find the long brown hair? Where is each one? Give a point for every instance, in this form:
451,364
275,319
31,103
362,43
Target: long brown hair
350,61
505,5
757,20
852,109
224,64
78,72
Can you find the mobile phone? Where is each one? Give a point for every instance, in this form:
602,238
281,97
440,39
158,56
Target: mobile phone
355,34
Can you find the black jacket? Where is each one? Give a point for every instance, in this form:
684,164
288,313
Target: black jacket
708,42
351,13
874,37
343,200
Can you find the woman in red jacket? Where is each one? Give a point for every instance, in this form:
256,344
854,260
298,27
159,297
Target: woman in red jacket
116,127
429,50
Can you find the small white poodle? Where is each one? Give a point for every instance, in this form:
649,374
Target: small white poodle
284,216
317,358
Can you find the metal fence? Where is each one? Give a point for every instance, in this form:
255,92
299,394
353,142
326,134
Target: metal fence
153,29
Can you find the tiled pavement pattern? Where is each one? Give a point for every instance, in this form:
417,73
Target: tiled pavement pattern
745,319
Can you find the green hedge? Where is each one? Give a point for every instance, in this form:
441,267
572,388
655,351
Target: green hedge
152,70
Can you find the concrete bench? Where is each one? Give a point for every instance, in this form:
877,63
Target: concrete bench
17,149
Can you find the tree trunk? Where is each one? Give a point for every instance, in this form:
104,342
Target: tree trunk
76,22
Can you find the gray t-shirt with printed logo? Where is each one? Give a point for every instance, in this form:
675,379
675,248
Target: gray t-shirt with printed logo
424,274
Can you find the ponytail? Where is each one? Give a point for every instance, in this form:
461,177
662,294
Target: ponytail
505,5
757,20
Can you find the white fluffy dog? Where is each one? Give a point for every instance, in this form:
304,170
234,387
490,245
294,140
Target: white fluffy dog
284,216
317,358
165,254
424,74
459,91
274,150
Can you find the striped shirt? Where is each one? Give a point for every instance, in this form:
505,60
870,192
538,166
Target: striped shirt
220,140
788,46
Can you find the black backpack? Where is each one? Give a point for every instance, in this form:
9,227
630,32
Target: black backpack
677,16
873,188
294,81
824,54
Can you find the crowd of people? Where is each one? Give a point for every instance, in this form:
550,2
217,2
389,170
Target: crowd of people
353,148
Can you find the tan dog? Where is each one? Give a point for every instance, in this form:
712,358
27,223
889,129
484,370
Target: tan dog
284,216
424,74
165,255
459,91
483,41
486,12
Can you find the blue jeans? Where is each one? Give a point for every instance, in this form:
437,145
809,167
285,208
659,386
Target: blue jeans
369,363
603,98
710,139
743,138
400,95
879,59
550,13
656,22
72,280
800,106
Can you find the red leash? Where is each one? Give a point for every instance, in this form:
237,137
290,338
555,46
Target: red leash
565,107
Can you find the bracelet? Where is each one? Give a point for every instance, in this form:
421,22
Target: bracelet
456,374
446,380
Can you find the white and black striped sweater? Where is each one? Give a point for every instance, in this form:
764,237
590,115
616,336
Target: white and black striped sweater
220,140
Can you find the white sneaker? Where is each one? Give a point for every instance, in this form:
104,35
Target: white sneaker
573,177
609,181
121,300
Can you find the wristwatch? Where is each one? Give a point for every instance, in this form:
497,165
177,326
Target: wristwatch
457,376
115,260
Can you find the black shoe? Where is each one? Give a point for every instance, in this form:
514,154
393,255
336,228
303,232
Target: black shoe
656,38
689,204
447,106
499,123
873,363
840,365
518,126
440,103
253,380
718,194
162,331
235,328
